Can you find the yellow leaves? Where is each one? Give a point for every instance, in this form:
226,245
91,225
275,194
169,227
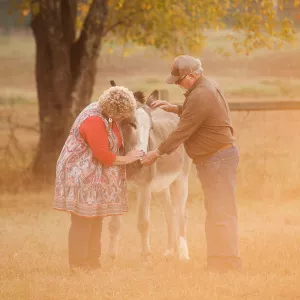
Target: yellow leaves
79,23
25,12
23,8
239,51
178,26
146,6
267,25
152,40
223,52
119,4
83,7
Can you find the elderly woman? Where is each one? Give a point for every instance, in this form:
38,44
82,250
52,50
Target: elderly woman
90,174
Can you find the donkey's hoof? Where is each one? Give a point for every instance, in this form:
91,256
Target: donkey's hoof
169,254
112,257
110,262
183,257
147,258
183,250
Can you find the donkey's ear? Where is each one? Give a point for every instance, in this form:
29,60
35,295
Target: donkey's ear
112,83
152,97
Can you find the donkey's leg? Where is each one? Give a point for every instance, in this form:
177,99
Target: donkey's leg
179,190
114,230
143,223
170,215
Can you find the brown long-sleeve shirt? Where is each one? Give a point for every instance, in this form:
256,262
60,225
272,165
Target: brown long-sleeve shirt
205,124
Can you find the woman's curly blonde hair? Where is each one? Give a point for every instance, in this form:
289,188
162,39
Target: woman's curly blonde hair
117,101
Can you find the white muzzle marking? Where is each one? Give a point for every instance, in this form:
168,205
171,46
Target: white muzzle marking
143,129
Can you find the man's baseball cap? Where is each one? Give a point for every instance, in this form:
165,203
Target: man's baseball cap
182,66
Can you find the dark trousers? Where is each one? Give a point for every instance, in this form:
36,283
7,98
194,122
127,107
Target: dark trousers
218,179
84,241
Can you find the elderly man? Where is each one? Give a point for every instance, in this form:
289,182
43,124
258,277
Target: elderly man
206,131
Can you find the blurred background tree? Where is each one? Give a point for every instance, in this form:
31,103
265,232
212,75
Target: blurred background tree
69,35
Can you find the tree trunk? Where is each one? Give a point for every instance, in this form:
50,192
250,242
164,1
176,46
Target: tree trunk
65,73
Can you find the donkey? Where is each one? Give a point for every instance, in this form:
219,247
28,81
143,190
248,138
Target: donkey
168,175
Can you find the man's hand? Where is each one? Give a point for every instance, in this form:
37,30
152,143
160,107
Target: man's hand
165,105
149,158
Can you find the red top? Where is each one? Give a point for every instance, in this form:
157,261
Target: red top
93,131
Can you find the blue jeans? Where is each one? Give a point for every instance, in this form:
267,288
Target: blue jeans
218,179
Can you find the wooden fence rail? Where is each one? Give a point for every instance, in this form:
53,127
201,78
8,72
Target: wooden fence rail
252,106
264,106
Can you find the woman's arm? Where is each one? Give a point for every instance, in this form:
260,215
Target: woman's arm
93,131
129,158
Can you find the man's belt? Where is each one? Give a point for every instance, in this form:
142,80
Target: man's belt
227,146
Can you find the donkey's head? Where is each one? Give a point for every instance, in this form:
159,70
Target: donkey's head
137,135
136,130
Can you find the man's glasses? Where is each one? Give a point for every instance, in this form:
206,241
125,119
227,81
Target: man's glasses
180,79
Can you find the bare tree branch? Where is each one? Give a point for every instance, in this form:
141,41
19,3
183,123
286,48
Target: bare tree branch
112,27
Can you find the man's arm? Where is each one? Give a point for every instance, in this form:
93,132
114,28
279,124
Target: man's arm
168,107
192,117
179,109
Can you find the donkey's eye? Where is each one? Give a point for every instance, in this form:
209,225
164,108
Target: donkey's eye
133,125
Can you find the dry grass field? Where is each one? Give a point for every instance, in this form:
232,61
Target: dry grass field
33,244
33,256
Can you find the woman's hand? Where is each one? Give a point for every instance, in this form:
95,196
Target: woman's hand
129,158
165,105
135,155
